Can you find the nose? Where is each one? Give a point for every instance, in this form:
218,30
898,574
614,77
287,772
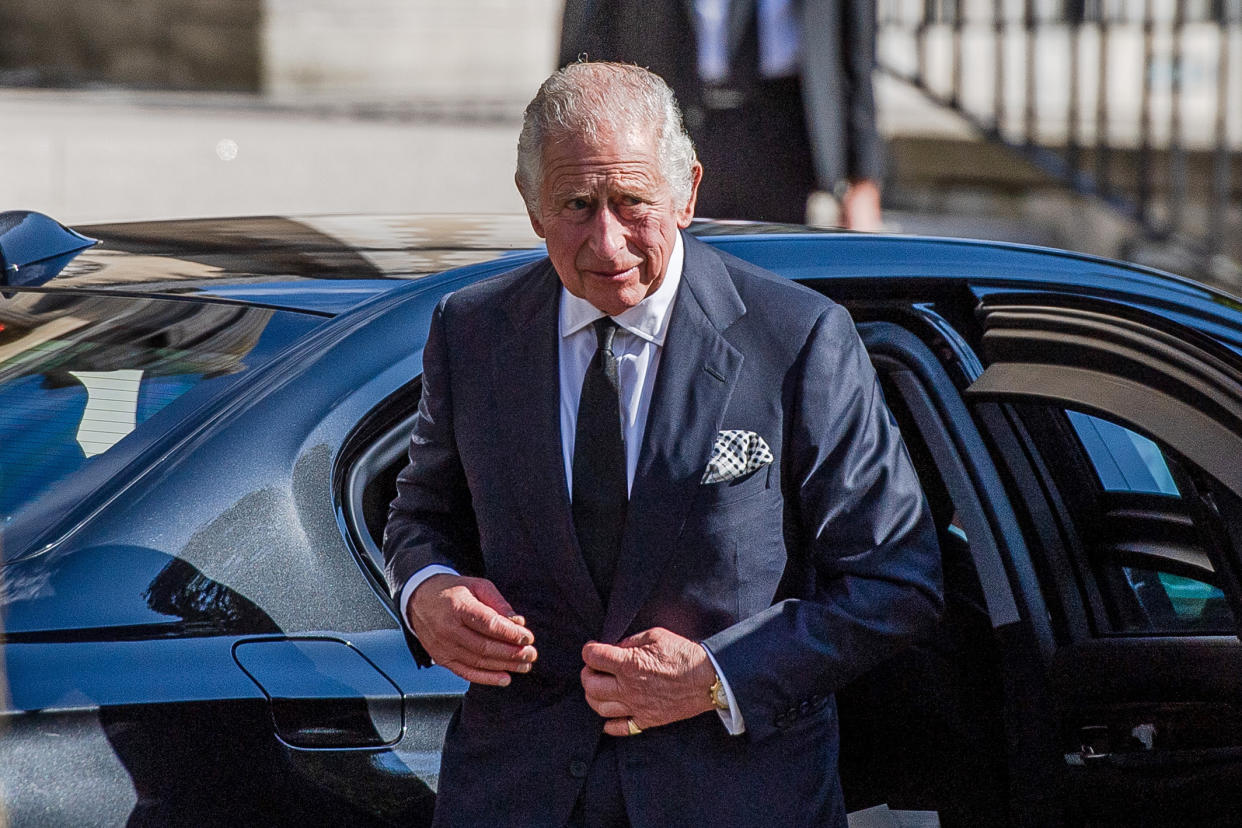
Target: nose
607,234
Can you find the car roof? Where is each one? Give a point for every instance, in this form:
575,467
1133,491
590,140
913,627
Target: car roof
326,264
323,264
914,268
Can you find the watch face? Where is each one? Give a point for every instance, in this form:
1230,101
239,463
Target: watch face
719,699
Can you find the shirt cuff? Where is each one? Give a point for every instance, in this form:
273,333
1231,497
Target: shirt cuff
732,718
416,580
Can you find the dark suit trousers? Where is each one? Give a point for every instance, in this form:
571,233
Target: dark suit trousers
756,157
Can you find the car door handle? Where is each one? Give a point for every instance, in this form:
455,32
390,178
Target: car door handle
323,692
1095,741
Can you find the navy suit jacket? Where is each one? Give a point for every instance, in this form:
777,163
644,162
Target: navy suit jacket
798,576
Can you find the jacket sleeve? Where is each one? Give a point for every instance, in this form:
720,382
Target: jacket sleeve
431,520
863,555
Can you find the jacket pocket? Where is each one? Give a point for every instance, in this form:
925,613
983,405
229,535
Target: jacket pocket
735,490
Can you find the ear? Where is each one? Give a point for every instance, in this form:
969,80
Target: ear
535,223
687,213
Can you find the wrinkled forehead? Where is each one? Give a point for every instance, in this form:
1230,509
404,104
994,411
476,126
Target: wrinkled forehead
628,159
604,137
611,142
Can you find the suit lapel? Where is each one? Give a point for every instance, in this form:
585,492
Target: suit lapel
698,369
526,375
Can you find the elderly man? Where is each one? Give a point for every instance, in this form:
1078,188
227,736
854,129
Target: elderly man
655,510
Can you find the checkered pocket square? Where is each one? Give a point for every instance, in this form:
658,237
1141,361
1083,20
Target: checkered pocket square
734,454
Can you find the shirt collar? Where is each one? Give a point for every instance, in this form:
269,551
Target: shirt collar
648,319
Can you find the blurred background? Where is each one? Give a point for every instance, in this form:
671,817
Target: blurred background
1106,126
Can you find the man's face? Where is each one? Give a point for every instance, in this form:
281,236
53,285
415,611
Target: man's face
608,217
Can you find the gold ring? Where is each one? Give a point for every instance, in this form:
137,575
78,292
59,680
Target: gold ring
633,729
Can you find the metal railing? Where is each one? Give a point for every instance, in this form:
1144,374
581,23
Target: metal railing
1136,102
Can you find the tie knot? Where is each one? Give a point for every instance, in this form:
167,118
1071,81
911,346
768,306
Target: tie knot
605,330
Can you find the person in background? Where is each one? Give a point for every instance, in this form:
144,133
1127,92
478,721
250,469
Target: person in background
777,95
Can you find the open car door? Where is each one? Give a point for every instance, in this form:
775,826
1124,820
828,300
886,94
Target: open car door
1119,437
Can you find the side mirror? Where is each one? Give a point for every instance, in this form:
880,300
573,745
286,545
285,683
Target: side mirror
34,248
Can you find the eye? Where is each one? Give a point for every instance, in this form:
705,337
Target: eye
629,205
577,203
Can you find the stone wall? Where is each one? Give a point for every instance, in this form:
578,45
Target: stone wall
160,44
451,50
460,50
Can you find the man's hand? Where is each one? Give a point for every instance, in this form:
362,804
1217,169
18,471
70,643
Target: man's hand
466,625
655,677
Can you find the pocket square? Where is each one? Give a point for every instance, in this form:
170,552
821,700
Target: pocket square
734,454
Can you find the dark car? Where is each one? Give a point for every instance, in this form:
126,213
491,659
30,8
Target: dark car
200,426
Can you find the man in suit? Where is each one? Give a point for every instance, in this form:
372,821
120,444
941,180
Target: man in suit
777,94
656,510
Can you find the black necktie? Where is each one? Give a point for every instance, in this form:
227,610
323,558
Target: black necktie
599,496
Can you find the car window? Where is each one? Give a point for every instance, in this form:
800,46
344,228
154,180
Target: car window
81,374
1163,601
1176,603
372,459
1123,460
1138,540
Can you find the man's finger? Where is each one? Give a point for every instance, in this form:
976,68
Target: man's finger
619,726
478,662
491,648
605,657
487,621
477,649
640,639
610,709
600,685
495,678
487,594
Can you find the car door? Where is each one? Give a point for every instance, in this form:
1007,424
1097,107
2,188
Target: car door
187,637
927,730
1119,435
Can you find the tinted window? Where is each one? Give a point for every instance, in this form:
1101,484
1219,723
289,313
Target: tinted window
1123,460
1138,538
82,375
1175,603
1141,535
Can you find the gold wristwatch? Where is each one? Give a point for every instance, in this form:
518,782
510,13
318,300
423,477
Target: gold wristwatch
720,701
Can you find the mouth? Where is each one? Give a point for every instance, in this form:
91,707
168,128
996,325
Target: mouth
612,274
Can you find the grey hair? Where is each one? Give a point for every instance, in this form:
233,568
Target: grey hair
590,99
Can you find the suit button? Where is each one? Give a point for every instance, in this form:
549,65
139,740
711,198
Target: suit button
578,769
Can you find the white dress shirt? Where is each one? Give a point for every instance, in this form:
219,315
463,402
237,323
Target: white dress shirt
638,347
